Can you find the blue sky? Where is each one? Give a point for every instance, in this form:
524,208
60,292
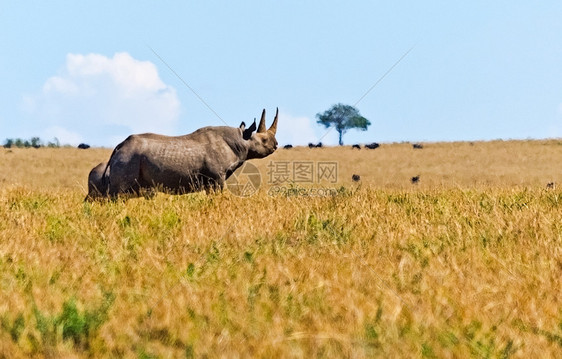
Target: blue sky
85,71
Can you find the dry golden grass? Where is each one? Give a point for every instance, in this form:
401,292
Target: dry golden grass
466,264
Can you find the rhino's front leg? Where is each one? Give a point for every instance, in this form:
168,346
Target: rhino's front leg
216,185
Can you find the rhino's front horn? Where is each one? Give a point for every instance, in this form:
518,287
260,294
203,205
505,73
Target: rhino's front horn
261,127
273,127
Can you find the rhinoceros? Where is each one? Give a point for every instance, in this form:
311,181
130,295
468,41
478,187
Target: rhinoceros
201,160
98,181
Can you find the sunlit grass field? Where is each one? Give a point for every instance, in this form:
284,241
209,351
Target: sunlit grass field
465,263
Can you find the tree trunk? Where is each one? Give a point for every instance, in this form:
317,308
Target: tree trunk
341,139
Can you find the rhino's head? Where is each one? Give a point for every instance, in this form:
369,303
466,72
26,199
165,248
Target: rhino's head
263,142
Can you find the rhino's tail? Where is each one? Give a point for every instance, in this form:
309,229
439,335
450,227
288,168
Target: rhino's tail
105,177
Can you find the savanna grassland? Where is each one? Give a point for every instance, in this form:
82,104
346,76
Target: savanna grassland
465,263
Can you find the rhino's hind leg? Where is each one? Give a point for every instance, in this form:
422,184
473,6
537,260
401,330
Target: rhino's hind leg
124,179
127,187
148,192
94,194
214,185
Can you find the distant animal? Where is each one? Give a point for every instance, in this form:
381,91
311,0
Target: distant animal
551,185
312,145
356,146
355,178
83,146
201,160
287,147
415,179
97,184
417,146
372,146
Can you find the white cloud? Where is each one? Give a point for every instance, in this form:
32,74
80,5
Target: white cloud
63,135
295,130
97,99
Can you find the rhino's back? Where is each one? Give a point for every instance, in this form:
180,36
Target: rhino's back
176,161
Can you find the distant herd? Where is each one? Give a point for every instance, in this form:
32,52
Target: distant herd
202,160
370,146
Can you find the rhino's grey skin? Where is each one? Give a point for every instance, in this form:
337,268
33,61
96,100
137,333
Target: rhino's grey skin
97,184
202,160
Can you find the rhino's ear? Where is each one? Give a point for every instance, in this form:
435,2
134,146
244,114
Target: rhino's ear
253,126
242,126
246,134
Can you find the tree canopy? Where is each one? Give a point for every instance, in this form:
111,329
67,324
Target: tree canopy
342,118
35,142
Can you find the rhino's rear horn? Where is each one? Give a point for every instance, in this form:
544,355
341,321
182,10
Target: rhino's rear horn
273,127
261,127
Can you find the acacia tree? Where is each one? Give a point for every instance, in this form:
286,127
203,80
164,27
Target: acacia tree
342,118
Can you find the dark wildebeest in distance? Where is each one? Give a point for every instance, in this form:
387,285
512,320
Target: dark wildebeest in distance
355,178
83,146
356,146
372,146
417,146
201,160
287,147
98,183
415,179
